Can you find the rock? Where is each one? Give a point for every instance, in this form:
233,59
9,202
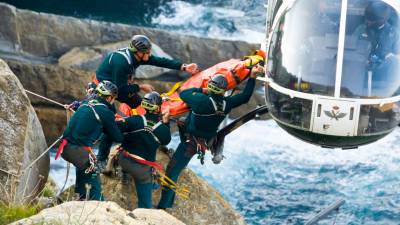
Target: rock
98,213
21,141
60,84
63,85
205,206
27,33
89,58
53,120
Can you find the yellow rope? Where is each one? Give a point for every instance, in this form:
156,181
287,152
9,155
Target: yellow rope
167,182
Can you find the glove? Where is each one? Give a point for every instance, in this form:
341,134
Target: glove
191,68
74,105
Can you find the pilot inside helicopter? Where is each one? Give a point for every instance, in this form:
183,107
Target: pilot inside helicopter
372,52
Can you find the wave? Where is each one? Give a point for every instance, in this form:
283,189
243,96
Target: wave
274,178
229,21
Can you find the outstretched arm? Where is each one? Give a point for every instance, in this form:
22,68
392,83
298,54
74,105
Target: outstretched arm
244,97
172,64
163,62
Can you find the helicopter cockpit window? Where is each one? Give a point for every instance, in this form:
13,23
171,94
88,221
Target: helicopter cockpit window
376,119
295,112
371,64
303,49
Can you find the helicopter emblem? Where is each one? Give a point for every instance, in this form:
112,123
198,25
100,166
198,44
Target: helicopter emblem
335,113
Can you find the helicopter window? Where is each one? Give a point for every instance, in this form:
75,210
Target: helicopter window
303,48
375,119
371,61
276,4
293,111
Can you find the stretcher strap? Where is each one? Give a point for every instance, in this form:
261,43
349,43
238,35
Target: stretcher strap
172,90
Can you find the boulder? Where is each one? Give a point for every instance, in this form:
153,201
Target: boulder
59,84
21,142
204,206
98,213
89,58
43,35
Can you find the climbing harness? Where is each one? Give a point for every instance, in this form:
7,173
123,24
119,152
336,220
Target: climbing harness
124,52
218,108
80,162
159,173
201,147
148,127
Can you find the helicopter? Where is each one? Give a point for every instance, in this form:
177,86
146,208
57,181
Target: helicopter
332,71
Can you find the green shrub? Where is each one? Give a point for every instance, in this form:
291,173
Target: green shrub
13,213
48,192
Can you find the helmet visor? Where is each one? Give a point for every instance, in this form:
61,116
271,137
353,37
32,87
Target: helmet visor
150,107
214,89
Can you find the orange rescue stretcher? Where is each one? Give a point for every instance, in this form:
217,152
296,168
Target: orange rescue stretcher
234,70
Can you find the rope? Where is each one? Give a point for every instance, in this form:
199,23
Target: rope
41,155
167,182
48,99
66,180
59,139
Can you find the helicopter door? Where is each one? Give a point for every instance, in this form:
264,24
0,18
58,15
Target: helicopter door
334,117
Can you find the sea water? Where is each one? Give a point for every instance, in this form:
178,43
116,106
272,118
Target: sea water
271,177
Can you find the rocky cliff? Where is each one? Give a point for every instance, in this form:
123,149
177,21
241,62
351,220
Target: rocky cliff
21,142
98,213
46,36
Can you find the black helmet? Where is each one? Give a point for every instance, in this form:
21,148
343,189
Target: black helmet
217,84
107,88
377,13
141,43
152,102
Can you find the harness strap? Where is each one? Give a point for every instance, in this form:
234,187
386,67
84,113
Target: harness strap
217,111
215,105
91,105
64,142
92,156
142,161
148,129
124,52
